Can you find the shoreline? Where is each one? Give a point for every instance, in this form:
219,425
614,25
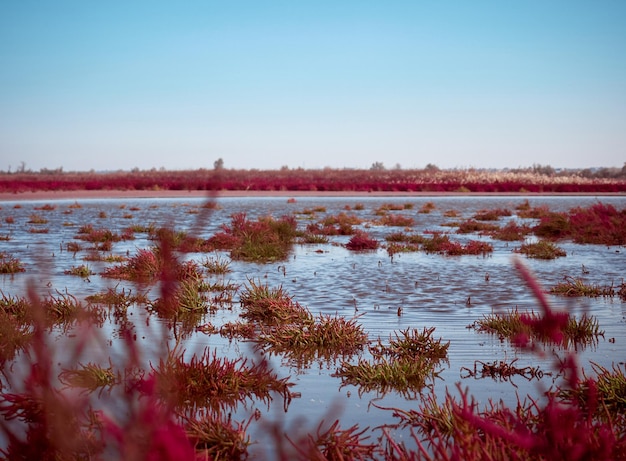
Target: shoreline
106,194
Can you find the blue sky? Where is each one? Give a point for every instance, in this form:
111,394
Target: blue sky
265,84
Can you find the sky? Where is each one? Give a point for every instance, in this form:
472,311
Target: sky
312,84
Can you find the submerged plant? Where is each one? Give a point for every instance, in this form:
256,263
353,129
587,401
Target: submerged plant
501,370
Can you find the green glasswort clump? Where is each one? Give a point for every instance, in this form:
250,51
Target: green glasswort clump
404,365
541,250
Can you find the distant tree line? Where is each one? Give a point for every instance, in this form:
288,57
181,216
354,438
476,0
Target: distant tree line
218,165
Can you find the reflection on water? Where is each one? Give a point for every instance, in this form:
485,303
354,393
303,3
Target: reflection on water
448,293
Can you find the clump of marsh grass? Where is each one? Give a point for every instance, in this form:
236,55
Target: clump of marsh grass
216,265
404,365
245,330
415,239
109,258
395,247
411,343
597,224
471,226
10,264
404,376
15,335
526,211
16,306
39,230
185,297
427,208
209,381
89,377
267,239
542,249
553,225
492,215
145,266
149,229
284,326
527,327
79,271
97,236
37,219
324,336
401,242
335,443
311,238
46,207
577,287
62,307
215,436
441,243
361,241
118,300
339,224
608,387
511,232
271,306
395,220
113,297
385,207
73,247
180,240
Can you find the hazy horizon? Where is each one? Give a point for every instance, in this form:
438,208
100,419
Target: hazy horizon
262,85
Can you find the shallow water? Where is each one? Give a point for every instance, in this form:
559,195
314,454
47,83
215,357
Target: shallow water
430,290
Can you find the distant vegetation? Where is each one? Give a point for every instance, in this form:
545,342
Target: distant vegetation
536,179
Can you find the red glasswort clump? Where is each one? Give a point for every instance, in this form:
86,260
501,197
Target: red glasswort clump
598,224
361,241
